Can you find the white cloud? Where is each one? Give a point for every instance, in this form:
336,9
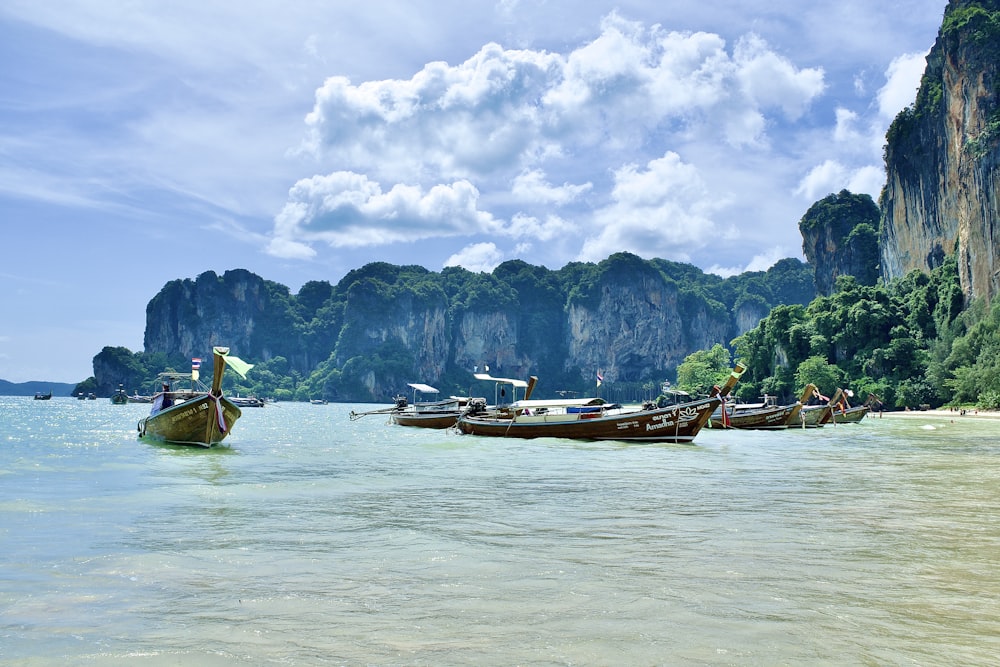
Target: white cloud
902,81
478,257
770,80
348,210
663,210
530,186
830,176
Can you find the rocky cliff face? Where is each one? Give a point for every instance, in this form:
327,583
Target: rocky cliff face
942,157
383,326
839,238
239,310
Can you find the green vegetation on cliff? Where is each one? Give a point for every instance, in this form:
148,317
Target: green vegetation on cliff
384,325
909,343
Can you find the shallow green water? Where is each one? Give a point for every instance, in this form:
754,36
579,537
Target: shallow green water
312,539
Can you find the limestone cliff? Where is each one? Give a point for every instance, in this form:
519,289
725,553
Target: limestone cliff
942,157
382,326
839,238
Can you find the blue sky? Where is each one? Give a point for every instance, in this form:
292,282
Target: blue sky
146,142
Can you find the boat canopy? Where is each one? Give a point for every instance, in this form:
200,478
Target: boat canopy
558,403
486,376
423,388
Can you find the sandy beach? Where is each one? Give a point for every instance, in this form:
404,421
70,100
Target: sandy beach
947,414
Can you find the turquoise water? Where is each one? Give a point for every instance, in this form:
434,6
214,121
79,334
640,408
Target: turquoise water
311,539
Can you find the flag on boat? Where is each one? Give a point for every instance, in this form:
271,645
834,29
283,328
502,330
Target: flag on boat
600,378
195,363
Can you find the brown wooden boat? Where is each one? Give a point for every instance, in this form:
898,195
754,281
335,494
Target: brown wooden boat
594,419
201,418
817,416
851,415
843,413
764,417
422,414
599,421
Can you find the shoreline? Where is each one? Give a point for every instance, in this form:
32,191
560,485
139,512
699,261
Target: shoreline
951,414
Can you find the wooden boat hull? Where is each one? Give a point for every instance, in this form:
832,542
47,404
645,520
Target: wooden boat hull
193,422
675,423
425,420
815,417
851,415
765,418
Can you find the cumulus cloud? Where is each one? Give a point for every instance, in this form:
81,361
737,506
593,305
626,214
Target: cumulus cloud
902,80
478,257
662,210
759,262
856,161
345,209
515,134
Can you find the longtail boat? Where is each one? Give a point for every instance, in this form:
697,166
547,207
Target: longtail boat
594,419
201,418
844,413
817,416
119,397
765,415
422,414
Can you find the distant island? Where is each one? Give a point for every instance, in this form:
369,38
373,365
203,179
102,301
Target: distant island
34,387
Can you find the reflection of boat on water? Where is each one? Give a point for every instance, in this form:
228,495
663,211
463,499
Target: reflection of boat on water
676,419
195,416
120,397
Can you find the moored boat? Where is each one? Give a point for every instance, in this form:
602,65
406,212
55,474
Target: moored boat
762,417
844,413
851,415
428,414
39,396
817,416
422,414
595,419
592,420
119,397
195,417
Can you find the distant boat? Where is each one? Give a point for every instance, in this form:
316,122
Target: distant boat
39,396
120,397
318,401
195,417
247,401
137,398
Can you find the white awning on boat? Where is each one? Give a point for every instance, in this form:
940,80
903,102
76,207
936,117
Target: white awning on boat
489,378
423,388
558,403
